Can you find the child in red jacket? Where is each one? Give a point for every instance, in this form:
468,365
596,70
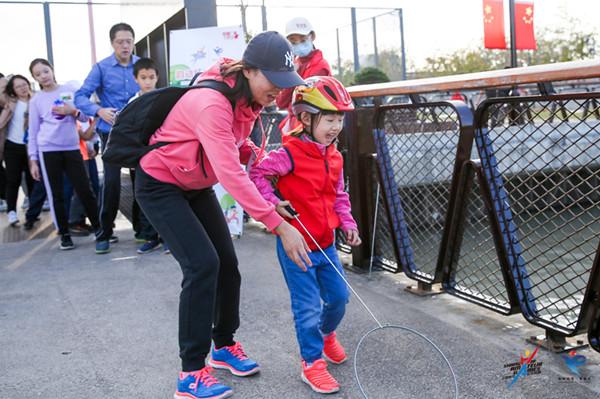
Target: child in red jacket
309,62
310,179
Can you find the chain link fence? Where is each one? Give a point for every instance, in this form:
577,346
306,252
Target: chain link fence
542,157
416,151
384,254
474,273
517,230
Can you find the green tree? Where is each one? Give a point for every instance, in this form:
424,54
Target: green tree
560,46
346,73
370,75
463,61
389,61
555,45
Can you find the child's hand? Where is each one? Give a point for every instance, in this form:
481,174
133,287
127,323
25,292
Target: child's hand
352,238
34,169
282,211
65,109
11,105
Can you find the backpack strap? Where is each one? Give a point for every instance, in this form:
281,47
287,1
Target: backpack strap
194,78
219,86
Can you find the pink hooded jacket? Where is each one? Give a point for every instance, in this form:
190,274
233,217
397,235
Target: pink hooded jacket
209,141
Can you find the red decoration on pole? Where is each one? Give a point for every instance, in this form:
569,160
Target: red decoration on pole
493,24
524,25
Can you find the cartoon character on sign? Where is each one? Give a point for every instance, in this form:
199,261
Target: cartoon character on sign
198,55
229,209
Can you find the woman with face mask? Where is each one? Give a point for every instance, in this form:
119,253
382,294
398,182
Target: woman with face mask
308,61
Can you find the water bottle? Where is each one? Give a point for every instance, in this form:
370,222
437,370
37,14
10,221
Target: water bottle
58,103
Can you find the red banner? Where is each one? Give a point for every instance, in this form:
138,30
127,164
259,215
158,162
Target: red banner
524,25
493,24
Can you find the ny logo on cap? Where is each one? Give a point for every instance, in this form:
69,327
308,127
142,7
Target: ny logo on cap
289,59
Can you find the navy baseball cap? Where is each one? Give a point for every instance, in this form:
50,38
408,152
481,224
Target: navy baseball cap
272,54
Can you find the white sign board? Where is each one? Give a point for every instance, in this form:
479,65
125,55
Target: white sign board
195,50
233,212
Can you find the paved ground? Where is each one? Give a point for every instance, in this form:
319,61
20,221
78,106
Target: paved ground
17,233
78,325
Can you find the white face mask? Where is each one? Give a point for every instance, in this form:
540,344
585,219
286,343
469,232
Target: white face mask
303,49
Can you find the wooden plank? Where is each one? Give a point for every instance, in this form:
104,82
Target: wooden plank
480,80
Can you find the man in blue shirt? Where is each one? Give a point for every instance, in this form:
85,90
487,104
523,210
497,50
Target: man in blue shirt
113,82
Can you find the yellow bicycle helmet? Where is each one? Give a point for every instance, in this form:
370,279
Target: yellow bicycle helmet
321,93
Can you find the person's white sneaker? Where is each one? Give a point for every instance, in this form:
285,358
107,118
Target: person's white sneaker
46,206
12,218
25,203
3,206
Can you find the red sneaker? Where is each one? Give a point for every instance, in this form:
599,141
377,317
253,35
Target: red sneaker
333,350
319,378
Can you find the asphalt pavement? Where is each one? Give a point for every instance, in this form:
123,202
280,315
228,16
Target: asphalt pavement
79,325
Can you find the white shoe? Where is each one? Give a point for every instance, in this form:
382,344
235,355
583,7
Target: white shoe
12,218
3,206
46,206
25,203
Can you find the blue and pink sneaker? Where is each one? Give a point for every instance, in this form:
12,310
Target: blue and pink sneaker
234,359
201,385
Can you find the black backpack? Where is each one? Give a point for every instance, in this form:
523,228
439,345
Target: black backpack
137,122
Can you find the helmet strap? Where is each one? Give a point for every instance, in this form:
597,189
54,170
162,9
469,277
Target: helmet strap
312,126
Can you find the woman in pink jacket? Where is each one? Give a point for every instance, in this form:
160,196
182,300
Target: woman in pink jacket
208,136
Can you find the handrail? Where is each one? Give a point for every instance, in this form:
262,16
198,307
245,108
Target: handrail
480,80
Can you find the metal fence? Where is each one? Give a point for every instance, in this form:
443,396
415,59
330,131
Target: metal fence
544,175
384,252
417,146
472,269
269,124
503,209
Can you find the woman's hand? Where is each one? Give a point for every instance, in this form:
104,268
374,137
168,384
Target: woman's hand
352,238
294,245
34,169
280,208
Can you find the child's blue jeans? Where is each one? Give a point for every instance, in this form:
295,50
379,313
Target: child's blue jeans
312,319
